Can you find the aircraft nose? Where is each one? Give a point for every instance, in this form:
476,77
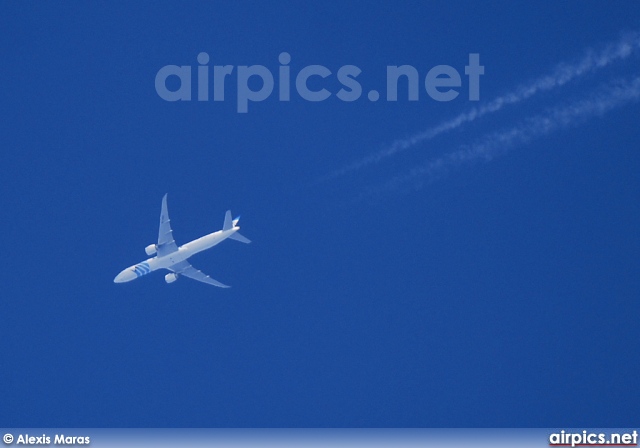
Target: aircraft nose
125,276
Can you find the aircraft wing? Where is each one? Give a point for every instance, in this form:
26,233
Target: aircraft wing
184,268
166,244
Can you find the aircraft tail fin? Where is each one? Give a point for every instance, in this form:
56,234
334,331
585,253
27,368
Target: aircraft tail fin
228,221
236,236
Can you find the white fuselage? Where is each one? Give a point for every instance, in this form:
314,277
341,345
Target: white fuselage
185,251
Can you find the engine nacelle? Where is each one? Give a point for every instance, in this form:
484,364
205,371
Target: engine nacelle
151,249
170,278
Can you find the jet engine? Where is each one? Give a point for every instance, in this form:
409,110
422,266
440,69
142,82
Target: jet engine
151,249
170,278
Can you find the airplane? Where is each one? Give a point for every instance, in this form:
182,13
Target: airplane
173,258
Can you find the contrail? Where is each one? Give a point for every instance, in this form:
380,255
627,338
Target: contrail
591,61
605,99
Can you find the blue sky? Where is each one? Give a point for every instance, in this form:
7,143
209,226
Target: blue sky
499,292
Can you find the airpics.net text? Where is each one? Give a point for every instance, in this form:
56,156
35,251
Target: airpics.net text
441,82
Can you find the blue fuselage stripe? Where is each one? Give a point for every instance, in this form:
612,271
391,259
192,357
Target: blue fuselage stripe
141,269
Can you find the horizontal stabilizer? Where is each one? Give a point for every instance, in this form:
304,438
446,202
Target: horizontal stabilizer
236,236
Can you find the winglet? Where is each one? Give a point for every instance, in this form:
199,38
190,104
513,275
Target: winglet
228,221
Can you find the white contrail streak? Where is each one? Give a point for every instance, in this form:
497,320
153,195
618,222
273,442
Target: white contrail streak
613,95
591,61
